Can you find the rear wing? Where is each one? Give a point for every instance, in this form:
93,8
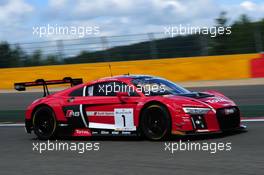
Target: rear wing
41,82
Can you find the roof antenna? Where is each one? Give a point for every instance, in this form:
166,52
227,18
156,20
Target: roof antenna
110,69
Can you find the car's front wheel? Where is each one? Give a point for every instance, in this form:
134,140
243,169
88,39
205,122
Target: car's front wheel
44,123
155,122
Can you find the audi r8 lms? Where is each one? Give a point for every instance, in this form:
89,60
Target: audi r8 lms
143,105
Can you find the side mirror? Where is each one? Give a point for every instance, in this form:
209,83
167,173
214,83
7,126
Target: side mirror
121,96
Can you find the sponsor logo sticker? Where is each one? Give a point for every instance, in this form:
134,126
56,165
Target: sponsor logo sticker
100,113
71,113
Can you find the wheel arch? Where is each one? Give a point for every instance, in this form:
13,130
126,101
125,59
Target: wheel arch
140,129
39,106
49,112
153,102
29,121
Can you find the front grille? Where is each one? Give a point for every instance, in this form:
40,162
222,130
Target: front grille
228,118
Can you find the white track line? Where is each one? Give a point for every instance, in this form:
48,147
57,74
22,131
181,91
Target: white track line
253,120
11,124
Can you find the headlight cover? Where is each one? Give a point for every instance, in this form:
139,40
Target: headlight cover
195,111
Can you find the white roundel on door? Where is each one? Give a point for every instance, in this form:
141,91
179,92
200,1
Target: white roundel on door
124,119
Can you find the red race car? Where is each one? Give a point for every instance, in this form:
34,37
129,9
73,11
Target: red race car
128,105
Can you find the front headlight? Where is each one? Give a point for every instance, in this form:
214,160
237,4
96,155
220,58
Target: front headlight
196,111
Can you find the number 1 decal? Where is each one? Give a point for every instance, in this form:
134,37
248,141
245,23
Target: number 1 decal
124,119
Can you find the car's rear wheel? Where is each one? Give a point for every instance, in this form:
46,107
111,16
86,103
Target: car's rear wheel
44,123
155,122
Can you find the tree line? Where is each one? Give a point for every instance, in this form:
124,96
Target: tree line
247,37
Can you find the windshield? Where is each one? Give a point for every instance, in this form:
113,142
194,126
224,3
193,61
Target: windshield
158,86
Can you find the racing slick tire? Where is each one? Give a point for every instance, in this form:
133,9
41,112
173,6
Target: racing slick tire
44,123
155,122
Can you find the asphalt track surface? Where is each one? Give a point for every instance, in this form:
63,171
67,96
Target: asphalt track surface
133,155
